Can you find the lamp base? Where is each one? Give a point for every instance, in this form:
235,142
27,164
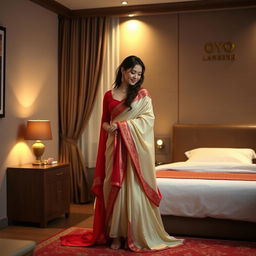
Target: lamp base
38,150
40,162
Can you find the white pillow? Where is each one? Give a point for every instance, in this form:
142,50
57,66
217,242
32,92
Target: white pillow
221,155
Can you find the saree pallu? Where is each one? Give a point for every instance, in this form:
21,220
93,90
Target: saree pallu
127,197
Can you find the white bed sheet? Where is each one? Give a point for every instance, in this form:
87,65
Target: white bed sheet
222,199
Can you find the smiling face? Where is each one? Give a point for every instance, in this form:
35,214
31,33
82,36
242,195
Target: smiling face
132,76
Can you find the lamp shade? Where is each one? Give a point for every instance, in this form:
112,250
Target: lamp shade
38,130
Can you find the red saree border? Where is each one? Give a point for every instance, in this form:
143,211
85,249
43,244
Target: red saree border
121,107
130,242
153,195
117,110
141,94
118,172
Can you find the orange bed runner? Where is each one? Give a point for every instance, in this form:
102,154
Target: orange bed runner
205,175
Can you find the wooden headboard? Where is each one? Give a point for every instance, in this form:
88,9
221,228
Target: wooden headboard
190,136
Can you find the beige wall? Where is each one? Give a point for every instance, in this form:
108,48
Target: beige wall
218,91
184,87
31,82
155,41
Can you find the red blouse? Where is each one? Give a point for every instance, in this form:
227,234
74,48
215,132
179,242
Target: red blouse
108,104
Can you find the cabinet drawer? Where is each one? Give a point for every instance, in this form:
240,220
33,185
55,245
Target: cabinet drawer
60,173
56,192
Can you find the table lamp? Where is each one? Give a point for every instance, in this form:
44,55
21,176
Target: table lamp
38,130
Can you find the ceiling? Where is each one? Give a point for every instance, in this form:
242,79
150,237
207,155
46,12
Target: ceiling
91,4
80,8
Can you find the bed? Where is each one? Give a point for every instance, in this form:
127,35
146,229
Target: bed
213,205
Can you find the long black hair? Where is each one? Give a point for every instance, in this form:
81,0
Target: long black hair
130,62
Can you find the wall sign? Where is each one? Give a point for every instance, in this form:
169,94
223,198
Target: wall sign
219,51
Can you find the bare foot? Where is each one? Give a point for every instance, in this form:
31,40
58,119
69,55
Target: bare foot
116,243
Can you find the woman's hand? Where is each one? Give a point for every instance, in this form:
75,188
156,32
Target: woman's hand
109,127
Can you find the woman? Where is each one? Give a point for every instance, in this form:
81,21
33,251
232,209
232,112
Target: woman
127,197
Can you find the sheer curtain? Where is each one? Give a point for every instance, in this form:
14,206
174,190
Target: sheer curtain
90,137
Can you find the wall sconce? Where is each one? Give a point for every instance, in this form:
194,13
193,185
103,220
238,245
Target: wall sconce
162,149
38,130
159,143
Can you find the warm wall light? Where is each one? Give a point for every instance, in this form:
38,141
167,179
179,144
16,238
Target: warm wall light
38,130
162,149
133,25
124,2
159,143
20,154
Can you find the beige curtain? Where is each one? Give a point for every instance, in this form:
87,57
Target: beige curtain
82,43
90,137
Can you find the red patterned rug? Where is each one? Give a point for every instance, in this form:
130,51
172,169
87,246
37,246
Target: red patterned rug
191,247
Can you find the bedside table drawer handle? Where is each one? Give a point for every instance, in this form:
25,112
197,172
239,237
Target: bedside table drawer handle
59,173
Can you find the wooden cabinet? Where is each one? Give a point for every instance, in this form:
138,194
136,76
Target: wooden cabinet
38,193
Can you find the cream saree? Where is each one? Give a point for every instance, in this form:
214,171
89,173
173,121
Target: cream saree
131,196
127,197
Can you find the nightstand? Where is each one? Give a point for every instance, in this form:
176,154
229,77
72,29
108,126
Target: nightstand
38,194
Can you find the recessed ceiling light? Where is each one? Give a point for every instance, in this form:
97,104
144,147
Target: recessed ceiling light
131,15
124,2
